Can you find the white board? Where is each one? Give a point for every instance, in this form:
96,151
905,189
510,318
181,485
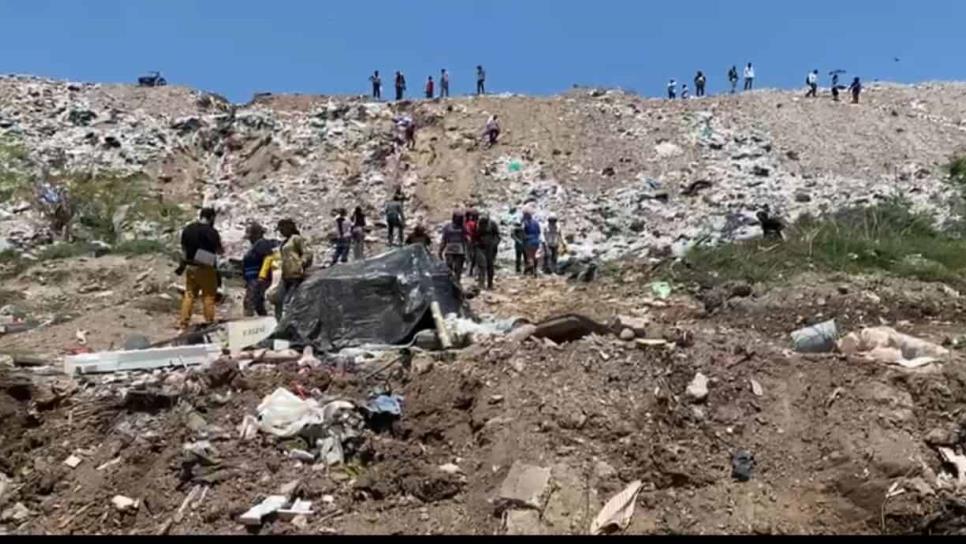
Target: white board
244,334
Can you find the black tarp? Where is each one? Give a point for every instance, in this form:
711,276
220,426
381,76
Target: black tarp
383,300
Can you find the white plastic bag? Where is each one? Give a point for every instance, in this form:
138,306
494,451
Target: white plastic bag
284,414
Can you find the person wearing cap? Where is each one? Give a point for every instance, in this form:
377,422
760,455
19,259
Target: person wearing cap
200,245
452,247
252,263
553,240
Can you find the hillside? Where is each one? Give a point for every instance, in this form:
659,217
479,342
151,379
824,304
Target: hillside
512,434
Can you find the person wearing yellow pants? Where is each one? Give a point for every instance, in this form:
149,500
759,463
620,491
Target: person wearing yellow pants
200,243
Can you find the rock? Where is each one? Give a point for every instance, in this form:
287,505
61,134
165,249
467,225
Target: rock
523,522
521,333
136,342
802,197
604,470
525,486
637,325
627,335
698,390
422,366
756,388
740,290
124,504
793,155
15,514
942,436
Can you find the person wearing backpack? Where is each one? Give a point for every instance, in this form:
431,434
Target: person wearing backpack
699,82
295,261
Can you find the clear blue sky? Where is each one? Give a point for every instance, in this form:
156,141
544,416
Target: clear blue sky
238,47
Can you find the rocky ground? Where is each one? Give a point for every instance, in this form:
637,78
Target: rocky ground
506,435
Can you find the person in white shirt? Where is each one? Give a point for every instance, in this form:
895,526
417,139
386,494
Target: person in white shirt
749,77
672,92
812,82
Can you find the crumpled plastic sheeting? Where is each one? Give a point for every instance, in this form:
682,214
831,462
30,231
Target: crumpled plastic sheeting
886,345
284,414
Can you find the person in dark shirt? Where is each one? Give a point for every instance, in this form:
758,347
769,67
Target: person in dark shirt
419,236
251,265
200,243
358,234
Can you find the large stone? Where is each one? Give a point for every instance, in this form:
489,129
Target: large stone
525,486
698,389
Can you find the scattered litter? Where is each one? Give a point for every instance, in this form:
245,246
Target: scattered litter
248,428
756,388
386,404
525,486
249,332
514,166
309,359
109,464
124,504
816,339
886,345
956,460
301,455
299,508
281,345
617,513
73,461
81,337
661,289
742,463
450,468
698,389
270,505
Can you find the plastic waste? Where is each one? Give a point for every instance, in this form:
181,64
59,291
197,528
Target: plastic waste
386,404
816,339
284,414
515,166
661,289
617,513
742,463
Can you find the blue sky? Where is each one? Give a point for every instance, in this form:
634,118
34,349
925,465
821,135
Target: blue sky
238,47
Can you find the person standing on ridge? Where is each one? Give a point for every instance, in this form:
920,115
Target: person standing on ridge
856,89
358,234
685,94
812,81
835,86
400,86
252,264
699,82
430,90
343,237
376,85
200,245
733,79
453,246
444,84
749,77
480,81
672,92
296,259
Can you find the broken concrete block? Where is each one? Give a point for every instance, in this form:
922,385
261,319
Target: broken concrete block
269,506
147,359
525,486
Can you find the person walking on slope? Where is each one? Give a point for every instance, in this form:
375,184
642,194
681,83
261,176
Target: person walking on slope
395,218
487,243
376,85
358,234
733,79
400,85
452,247
856,89
430,88
812,81
252,263
531,242
749,77
553,240
200,245
491,131
444,84
672,91
343,238
296,259
480,81
699,82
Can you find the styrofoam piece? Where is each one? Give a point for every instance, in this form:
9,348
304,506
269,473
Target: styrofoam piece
147,359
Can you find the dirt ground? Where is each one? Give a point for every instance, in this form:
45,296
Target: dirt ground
835,438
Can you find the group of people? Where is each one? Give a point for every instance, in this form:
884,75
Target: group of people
430,88
855,89
701,83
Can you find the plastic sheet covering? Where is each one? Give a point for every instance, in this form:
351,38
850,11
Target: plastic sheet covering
383,300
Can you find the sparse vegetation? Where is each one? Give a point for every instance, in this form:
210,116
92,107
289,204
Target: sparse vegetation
886,238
